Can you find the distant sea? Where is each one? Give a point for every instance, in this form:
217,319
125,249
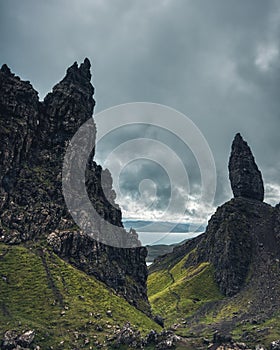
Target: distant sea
153,238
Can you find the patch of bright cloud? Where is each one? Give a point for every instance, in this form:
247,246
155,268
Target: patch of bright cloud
266,56
195,211
272,193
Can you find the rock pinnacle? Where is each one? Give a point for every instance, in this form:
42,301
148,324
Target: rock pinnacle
245,177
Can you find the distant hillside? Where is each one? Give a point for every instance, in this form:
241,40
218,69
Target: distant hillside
157,250
154,251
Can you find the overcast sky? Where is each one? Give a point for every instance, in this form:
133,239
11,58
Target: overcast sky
215,61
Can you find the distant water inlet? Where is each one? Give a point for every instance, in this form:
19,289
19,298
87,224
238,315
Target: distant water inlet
155,238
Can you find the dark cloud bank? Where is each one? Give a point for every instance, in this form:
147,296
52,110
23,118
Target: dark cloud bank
215,61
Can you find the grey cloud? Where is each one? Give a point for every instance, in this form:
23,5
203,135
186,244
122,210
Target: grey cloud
207,59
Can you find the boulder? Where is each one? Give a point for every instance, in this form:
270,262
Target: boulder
275,345
12,339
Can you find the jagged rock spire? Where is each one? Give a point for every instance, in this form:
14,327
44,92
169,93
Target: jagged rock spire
79,73
71,103
245,177
6,70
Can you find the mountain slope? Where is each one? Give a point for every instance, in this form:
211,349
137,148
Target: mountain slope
178,293
65,307
228,278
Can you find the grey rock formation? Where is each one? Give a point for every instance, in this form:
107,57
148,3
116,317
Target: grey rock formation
14,340
242,245
34,136
239,234
245,177
131,337
233,236
275,345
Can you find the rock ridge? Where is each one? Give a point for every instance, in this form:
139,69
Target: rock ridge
34,138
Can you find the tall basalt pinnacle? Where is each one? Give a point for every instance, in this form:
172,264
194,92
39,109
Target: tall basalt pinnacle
245,177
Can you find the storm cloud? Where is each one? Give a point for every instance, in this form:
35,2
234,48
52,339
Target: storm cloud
215,61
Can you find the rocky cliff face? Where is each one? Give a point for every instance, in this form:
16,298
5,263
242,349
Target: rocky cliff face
19,108
34,139
242,229
238,235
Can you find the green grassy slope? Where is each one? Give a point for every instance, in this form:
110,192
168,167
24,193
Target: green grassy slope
177,292
190,302
62,304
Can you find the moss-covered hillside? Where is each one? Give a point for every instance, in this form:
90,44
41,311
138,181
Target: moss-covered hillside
66,308
186,294
177,292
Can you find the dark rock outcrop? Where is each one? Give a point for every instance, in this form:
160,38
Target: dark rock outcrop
34,137
241,246
237,234
242,237
130,337
275,345
225,341
19,110
14,340
245,177
242,229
